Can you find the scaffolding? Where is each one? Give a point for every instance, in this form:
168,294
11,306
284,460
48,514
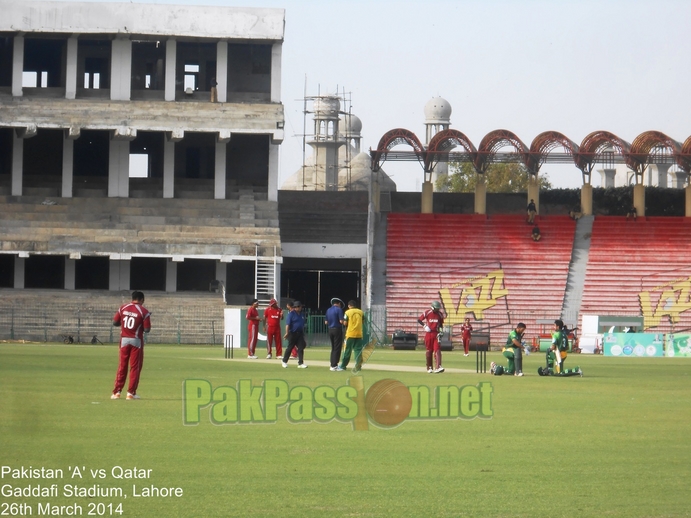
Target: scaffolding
340,138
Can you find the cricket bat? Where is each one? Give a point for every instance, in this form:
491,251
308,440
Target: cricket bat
365,354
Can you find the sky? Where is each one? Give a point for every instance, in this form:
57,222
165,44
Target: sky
528,66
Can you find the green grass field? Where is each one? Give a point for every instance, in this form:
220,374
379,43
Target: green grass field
616,442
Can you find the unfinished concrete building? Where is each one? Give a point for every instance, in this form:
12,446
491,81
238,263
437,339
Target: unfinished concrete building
139,147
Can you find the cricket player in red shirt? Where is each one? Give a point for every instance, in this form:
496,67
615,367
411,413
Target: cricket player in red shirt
252,329
433,322
134,320
272,326
466,329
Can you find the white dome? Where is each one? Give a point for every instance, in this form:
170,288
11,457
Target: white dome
360,175
325,107
437,109
352,125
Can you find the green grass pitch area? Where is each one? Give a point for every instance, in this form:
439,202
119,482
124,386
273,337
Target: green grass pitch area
616,442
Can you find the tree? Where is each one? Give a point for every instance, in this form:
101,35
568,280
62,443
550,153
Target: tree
507,177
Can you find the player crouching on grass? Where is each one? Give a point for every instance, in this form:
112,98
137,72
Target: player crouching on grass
433,322
559,347
513,351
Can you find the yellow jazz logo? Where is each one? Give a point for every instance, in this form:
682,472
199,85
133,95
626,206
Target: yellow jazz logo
477,296
674,298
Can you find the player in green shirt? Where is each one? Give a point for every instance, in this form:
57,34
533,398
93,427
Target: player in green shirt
353,320
556,355
513,351
560,345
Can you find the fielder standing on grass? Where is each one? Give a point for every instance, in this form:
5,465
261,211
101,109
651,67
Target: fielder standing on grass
353,319
433,322
134,320
466,331
252,317
272,327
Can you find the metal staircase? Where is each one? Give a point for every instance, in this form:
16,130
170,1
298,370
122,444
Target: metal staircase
265,272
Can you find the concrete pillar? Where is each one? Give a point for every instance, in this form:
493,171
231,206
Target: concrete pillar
168,168
17,163
121,70
119,169
222,70
171,276
534,191
171,58
688,201
440,170
221,272
427,204
71,68
480,195
276,53
662,174
17,66
639,199
679,179
19,265
375,192
67,166
70,273
273,172
277,282
220,170
119,275
607,176
587,199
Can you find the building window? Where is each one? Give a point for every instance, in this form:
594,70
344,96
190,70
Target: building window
191,77
30,80
139,165
92,80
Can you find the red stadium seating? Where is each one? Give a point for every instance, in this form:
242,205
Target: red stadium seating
640,264
430,253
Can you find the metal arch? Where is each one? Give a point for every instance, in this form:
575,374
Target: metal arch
594,144
644,143
585,157
443,142
393,138
494,141
643,146
684,156
545,142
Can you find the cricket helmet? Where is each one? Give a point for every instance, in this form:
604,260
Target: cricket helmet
435,304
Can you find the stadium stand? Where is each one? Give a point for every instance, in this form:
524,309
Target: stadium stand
638,267
503,271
